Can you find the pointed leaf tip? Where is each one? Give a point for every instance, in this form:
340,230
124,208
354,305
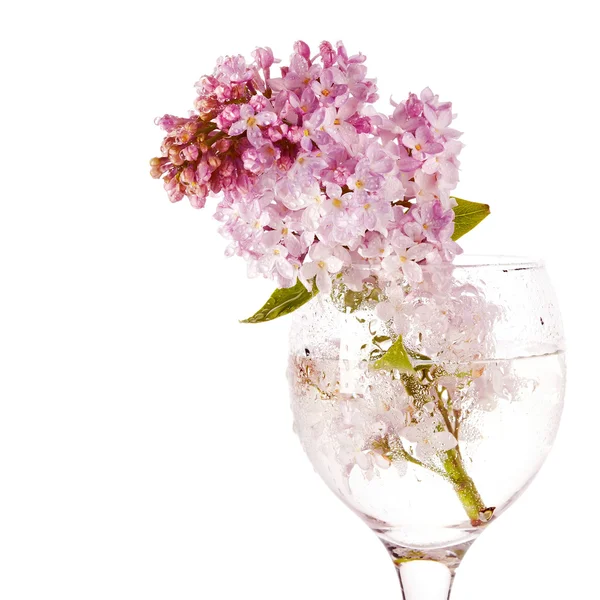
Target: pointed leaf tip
395,358
467,215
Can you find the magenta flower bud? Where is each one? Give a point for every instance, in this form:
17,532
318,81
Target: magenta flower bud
214,161
302,49
158,161
361,124
203,172
155,173
169,122
341,49
327,54
223,145
223,93
175,155
225,183
190,152
231,112
263,57
414,106
207,84
274,134
243,183
198,201
227,167
295,134
188,175
258,103
170,183
229,115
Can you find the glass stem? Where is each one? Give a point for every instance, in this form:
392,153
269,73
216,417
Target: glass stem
426,574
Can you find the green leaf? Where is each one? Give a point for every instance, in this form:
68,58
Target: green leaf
282,302
354,300
467,215
395,358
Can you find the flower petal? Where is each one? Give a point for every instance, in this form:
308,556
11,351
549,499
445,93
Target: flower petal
443,440
323,281
246,111
409,140
413,271
271,238
266,118
408,164
334,264
285,269
238,127
255,136
418,252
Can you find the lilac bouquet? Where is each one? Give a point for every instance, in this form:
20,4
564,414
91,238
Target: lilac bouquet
315,184
426,393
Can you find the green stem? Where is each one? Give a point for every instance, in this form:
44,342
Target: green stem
402,453
453,470
463,485
465,489
453,467
445,416
215,138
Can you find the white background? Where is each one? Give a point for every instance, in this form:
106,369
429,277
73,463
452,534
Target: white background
146,449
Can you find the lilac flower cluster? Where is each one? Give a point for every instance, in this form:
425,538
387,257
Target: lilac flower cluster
313,181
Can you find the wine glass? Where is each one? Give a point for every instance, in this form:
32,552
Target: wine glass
428,409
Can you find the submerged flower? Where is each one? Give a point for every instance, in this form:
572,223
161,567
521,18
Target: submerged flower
429,439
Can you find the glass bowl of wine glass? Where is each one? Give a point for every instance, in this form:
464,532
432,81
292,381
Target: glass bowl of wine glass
429,409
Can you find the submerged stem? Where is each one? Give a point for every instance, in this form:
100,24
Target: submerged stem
463,485
402,453
454,469
465,489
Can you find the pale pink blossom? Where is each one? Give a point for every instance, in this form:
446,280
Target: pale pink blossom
312,130
428,440
405,258
375,245
395,308
421,143
439,118
323,264
275,259
301,73
250,122
326,89
285,231
336,123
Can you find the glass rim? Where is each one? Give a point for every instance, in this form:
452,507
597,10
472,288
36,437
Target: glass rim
506,261
479,261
